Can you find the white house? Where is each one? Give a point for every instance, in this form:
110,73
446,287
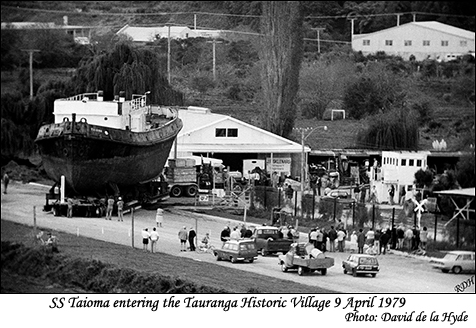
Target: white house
231,140
149,34
422,40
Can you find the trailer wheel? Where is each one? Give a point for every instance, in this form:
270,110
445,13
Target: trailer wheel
323,272
176,191
300,271
56,211
192,191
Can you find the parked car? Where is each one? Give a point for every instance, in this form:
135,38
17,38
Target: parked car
237,250
361,264
269,240
337,193
455,261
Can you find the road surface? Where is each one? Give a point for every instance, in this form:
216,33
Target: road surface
399,274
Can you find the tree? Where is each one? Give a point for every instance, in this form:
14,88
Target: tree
423,178
280,54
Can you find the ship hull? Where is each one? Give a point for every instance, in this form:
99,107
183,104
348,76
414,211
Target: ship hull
92,158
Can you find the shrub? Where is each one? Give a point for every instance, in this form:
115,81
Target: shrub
202,83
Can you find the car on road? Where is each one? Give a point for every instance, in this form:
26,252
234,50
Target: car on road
305,258
237,250
361,264
455,261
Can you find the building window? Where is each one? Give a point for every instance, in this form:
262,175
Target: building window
389,42
407,43
444,43
366,42
426,43
219,132
232,133
404,162
463,43
410,162
418,162
222,132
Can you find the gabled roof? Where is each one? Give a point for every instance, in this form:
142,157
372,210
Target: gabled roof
436,26
251,139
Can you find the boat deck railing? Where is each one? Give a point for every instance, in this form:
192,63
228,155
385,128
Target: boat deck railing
88,96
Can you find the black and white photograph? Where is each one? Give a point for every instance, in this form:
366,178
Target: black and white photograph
281,162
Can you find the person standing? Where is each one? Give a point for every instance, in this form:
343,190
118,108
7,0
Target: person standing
360,241
154,238
145,239
313,237
109,208
340,240
191,239
370,237
159,217
391,193
182,234
225,234
373,195
6,180
409,238
400,237
120,209
424,238
235,234
402,196
353,242
332,239
384,239
70,208
319,239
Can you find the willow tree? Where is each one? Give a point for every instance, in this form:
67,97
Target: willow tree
129,69
280,54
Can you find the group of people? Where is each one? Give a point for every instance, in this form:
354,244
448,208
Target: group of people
152,236
237,233
326,239
411,238
110,208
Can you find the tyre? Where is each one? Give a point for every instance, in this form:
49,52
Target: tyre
300,271
345,271
323,272
263,252
176,191
354,273
192,191
217,257
252,260
284,268
445,270
232,259
457,269
56,211
374,275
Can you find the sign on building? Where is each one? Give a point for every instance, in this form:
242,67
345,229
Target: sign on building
279,165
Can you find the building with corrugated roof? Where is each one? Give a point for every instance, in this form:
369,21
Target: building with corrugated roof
422,40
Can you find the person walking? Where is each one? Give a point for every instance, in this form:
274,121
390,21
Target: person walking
191,239
159,217
110,207
120,209
145,239
182,234
154,238
360,241
6,180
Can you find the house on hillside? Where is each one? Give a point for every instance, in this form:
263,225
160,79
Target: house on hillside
422,40
232,141
149,34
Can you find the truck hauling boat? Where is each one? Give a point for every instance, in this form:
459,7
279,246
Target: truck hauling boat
108,148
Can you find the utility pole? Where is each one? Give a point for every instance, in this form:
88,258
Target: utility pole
318,29
31,51
214,57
